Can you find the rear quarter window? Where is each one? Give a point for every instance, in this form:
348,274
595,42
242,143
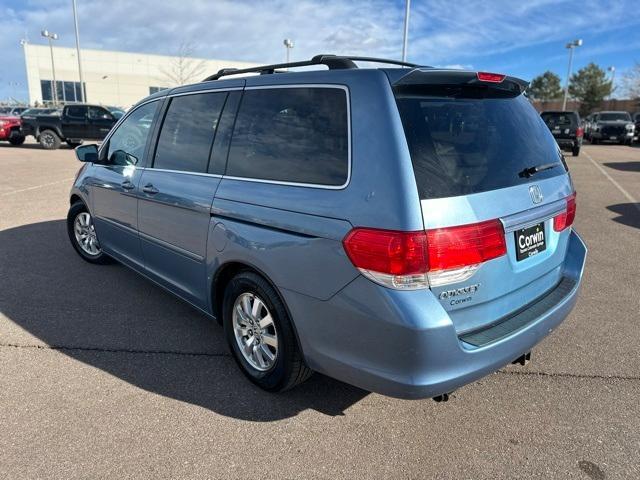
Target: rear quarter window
297,135
463,145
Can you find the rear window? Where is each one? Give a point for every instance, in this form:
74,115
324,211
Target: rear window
466,143
615,116
559,119
297,135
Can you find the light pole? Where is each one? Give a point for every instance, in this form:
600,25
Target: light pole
405,39
612,69
54,86
288,45
570,46
75,22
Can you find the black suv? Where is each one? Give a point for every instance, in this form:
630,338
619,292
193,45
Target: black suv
566,129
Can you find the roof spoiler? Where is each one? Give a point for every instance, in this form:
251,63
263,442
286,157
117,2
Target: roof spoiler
435,76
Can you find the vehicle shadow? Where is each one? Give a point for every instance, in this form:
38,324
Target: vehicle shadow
628,214
113,319
624,166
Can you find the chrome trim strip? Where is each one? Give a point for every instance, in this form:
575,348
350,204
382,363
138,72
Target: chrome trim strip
208,90
533,216
349,142
170,246
215,175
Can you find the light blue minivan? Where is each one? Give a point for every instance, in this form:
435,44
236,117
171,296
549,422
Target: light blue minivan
404,229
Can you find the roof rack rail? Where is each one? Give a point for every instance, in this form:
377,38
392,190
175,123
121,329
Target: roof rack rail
334,62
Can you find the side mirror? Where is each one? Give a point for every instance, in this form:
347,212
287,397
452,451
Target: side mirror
87,153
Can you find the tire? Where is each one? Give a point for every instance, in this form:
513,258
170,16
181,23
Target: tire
575,151
49,140
287,369
98,257
16,140
594,141
74,144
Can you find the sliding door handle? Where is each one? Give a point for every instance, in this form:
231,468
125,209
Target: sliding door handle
150,189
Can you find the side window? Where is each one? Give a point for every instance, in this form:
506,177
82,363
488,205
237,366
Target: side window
188,131
76,111
126,145
99,113
292,135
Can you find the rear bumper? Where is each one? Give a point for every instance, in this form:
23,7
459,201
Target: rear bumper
619,136
403,344
569,142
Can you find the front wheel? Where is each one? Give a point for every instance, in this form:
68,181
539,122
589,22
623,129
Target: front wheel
49,140
17,140
82,234
260,334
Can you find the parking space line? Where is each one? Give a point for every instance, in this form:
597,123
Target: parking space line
616,184
36,187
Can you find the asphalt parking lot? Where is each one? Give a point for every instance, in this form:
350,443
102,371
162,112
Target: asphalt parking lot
104,375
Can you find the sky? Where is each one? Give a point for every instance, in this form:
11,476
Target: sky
514,37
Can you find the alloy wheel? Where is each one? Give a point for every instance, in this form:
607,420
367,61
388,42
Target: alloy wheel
255,331
85,234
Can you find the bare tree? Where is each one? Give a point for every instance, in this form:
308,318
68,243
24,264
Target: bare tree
183,68
631,81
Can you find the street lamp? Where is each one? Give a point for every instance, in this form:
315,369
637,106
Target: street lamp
405,39
75,22
612,69
288,44
570,46
54,86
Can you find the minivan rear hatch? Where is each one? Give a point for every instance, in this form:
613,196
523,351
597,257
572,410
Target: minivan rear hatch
494,190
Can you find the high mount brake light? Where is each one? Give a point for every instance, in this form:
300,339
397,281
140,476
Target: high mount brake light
566,218
413,260
491,77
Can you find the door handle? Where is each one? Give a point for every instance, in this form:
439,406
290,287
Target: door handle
127,185
150,189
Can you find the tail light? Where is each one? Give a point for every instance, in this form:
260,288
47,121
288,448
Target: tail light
579,132
413,260
491,77
566,218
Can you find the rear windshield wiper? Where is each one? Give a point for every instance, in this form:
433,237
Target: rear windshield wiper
531,171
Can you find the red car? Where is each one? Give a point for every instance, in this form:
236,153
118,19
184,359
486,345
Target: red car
11,130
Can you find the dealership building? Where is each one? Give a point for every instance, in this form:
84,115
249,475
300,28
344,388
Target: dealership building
110,78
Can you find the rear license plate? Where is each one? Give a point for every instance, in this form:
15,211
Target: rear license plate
530,241
613,137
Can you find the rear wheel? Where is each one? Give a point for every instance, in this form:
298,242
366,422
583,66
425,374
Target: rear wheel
594,141
82,234
260,334
49,140
16,140
575,151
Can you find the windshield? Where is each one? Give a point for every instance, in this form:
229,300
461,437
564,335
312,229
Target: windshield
614,117
462,145
558,119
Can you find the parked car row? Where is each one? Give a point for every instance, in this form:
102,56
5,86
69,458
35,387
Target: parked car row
53,125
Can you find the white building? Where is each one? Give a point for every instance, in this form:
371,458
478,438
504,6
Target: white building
110,78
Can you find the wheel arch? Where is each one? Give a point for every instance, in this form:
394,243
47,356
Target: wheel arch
223,276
